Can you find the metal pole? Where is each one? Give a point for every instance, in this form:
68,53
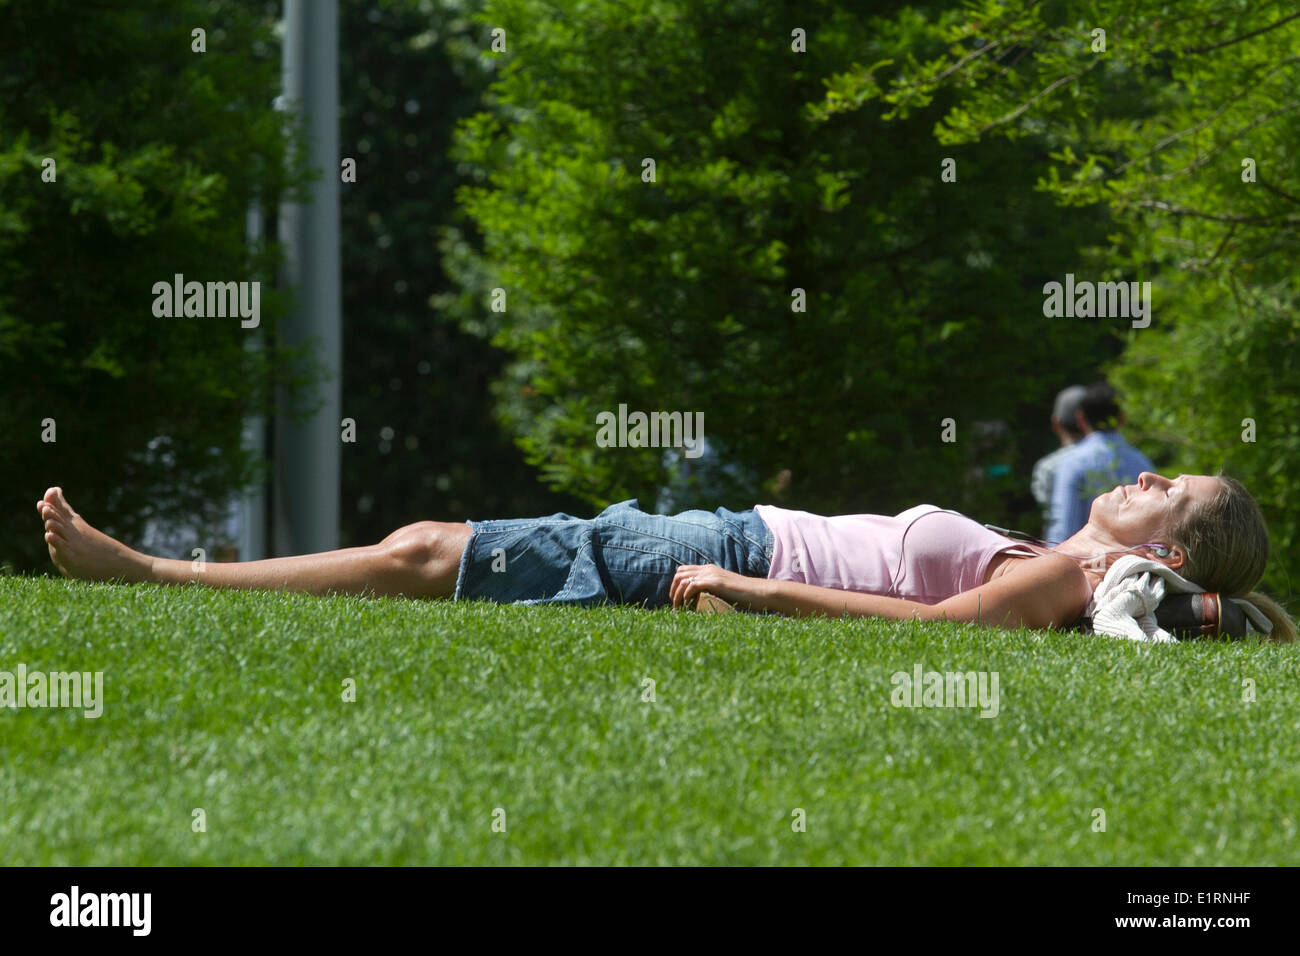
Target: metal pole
307,453
252,504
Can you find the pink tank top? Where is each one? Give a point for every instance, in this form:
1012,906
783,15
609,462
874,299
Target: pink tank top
942,554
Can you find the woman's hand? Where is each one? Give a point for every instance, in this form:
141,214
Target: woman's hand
692,579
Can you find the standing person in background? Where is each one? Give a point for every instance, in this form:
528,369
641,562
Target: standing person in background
1093,465
1067,432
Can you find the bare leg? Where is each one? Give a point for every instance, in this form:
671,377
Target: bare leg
419,560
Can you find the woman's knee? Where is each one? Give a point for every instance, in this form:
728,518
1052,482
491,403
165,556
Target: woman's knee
431,548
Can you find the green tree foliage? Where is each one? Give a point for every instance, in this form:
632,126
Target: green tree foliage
406,368
923,297
1185,128
158,151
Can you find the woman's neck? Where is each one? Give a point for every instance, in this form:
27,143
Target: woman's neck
1089,548
1096,550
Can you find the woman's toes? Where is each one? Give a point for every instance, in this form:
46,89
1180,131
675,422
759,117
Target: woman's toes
55,499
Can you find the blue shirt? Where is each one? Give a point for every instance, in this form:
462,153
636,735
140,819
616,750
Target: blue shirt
1043,481
1089,468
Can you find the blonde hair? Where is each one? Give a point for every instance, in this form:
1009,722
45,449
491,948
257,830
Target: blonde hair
1225,543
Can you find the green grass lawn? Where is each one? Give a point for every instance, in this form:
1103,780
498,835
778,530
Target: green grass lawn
233,703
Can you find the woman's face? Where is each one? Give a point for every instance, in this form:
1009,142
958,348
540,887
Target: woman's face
1145,512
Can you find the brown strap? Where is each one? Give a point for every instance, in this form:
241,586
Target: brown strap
1210,613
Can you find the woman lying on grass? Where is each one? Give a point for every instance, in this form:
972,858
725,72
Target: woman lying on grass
925,563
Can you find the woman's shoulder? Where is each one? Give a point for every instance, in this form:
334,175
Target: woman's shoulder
1061,573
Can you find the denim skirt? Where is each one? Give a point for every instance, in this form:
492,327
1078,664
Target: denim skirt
621,556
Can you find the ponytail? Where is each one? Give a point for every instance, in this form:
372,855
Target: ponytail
1284,631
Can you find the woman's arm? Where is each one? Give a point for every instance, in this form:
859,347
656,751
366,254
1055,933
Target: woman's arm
1046,591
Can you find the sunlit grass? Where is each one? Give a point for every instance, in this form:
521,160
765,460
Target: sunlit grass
539,718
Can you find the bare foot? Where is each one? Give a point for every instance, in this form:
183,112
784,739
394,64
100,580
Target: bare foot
80,551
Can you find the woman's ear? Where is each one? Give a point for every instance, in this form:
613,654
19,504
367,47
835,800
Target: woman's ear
1172,555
